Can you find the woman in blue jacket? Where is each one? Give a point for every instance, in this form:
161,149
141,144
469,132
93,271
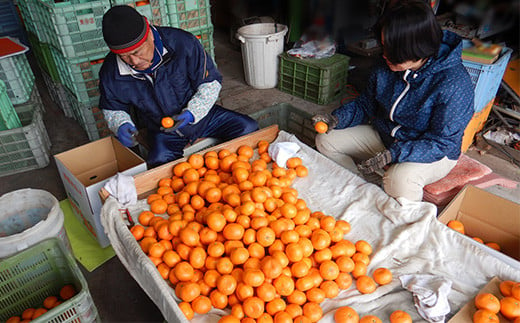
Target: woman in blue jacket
412,115
162,72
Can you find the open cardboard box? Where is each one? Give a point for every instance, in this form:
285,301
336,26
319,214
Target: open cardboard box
84,171
489,217
465,314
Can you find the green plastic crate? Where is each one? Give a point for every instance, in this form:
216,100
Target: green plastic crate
317,80
18,77
73,27
27,147
8,117
205,36
289,119
58,95
154,10
89,116
43,55
31,19
189,14
30,276
80,75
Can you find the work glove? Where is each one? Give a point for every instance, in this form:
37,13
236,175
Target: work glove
379,161
330,119
181,120
126,134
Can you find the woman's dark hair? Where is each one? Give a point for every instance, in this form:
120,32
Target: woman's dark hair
409,31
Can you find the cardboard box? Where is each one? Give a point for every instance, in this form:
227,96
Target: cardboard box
489,217
465,314
85,170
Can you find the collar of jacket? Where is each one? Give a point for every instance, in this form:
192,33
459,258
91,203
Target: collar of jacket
125,69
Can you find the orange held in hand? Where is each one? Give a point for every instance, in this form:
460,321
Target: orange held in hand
321,127
167,122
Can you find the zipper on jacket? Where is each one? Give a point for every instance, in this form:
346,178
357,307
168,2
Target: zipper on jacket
400,97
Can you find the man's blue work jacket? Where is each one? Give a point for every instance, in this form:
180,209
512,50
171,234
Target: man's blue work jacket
183,68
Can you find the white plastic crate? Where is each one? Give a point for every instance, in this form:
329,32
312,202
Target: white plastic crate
18,77
27,147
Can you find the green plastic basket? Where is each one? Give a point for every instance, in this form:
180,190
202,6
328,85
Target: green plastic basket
189,14
8,117
154,10
80,75
205,36
317,80
42,53
73,27
30,276
289,119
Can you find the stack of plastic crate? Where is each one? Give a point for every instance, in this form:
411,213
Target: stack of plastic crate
24,143
70,33
10,24
193,16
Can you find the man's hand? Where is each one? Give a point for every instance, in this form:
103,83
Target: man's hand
181,120
330,119
126,134
377,162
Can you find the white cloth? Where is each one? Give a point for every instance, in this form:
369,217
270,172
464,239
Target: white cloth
430,295
122,187
406,238
280,152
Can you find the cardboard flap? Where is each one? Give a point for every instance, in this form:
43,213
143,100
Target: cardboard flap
125,157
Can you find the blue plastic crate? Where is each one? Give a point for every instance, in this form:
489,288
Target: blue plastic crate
9,19
486,77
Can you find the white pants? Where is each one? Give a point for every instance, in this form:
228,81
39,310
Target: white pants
353,145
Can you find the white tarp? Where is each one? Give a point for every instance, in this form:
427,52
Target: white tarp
406,238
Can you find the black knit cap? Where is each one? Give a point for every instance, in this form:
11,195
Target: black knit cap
124,29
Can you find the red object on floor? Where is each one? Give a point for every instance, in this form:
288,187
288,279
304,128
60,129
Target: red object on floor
467,171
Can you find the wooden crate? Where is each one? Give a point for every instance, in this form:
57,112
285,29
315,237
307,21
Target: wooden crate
146,182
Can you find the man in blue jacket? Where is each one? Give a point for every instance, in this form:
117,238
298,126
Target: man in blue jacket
162,72
412,115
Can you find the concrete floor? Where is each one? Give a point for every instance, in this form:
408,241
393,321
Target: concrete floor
116,294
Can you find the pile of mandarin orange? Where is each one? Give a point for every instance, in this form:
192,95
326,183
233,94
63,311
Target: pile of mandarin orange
230,232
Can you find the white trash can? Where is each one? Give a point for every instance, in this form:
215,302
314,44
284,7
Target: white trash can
28,216
261,44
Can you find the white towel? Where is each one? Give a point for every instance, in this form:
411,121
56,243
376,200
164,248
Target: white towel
430,294
280,152
122,187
